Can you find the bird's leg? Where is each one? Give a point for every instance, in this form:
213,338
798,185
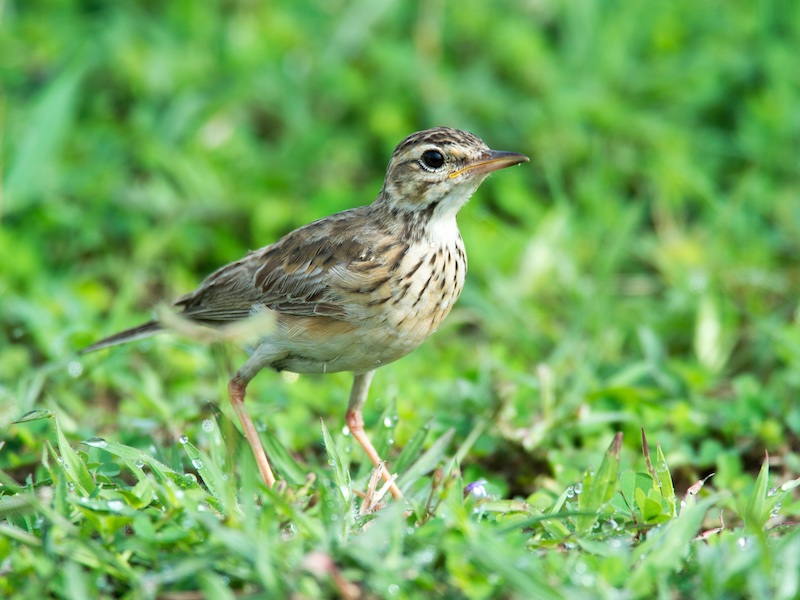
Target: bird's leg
236,389
355,423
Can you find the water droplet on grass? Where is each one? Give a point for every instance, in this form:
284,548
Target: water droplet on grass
139,463
184,439
96,442
115,505
427,555
197,463
75,369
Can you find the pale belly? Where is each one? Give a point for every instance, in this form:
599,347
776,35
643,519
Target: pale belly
390,323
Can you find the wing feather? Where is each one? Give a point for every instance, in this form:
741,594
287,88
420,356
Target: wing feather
309,272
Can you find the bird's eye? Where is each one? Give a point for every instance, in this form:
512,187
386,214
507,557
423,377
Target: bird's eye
432,159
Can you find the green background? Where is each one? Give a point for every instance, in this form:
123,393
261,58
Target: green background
640,272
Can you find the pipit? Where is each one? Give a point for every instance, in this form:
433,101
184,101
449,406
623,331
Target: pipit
356,290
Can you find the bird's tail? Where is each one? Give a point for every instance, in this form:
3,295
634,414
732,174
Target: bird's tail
129,335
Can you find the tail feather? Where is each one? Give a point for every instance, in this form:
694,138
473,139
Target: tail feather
129,335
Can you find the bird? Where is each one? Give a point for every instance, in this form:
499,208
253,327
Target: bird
353,291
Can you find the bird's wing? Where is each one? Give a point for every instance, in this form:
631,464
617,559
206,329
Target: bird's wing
309,272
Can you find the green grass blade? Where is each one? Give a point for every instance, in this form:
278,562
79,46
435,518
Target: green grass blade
412,448
211,475
756,512
72,464
47,124
428,461
598,489
286,467
665,484
341,474
665,548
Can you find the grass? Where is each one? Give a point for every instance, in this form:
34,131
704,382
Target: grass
639,275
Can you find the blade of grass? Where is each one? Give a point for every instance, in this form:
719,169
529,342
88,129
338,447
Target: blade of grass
48,122
756,513
411,449
665,484
72,464
598,489
428,461
340,473
283,462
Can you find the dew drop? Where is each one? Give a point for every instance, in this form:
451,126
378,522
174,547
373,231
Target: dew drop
578,487
139,463
570,492
197,463
742,543
74,369
345,430
115,505
96,442
427,555
184,439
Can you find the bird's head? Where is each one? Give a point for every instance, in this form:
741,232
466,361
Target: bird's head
437,170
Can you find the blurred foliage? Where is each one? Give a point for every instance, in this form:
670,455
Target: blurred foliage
642,271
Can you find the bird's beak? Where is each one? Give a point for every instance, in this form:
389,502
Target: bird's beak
497,160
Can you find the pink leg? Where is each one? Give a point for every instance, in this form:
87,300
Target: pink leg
236,389
355,423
